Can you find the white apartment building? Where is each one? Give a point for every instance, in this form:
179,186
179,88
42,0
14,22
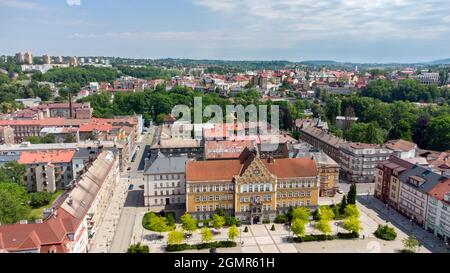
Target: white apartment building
415,185
359,161
438,213
164,183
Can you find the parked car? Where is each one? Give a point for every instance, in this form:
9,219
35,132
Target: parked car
340,191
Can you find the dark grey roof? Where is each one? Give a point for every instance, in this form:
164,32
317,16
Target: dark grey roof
163,165
431,178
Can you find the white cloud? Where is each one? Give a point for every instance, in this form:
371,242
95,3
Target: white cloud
21,5
218,5
365,18
73,2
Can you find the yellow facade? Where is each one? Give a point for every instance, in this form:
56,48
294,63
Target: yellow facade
254,196
329,176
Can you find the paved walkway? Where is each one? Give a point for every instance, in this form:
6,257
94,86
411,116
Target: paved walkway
105,233
376,209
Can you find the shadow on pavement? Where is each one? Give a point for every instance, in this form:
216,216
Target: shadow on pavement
135,199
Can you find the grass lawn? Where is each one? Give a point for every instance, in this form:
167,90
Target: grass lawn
39,212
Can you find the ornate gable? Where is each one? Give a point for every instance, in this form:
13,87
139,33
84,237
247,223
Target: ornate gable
254,172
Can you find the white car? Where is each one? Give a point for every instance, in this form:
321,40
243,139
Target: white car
340,191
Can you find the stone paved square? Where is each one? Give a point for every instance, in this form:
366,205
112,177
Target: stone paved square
266,240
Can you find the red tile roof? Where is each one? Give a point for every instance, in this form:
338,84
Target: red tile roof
63,156
226,170
440,190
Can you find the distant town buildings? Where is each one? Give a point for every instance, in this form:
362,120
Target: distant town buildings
47,59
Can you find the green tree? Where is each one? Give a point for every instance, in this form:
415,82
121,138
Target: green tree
324,226
326,213
13,203
138,248
48,139
188,223
401,130
69,138
40,199
352,211
301,213
175,237
218,221
206,235
352,224
438,133
411,244
13,172
158,224
351,197
299,227
33,139
343,205
233,233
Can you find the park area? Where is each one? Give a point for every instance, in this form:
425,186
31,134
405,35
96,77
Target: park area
342,228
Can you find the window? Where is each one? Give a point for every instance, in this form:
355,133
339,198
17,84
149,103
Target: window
204,198
197,198
211,197
224,197
217,197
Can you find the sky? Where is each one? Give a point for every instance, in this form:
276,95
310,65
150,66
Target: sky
295,30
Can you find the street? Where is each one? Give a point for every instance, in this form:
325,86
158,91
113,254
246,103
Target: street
134,201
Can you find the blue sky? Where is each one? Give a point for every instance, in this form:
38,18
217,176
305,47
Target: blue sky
342,30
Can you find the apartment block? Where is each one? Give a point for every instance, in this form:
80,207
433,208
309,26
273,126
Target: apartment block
359,161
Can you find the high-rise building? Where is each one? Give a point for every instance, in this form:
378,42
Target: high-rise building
20,57
28,58
47,59
73,61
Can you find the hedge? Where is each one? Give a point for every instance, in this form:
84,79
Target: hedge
323,237
182,247
386,233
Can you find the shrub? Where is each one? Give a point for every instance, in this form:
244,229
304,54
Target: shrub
156,223
386,233
138,248
272,228
232,221
246,229
266,221
40,199
281,219
183,247
324,237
